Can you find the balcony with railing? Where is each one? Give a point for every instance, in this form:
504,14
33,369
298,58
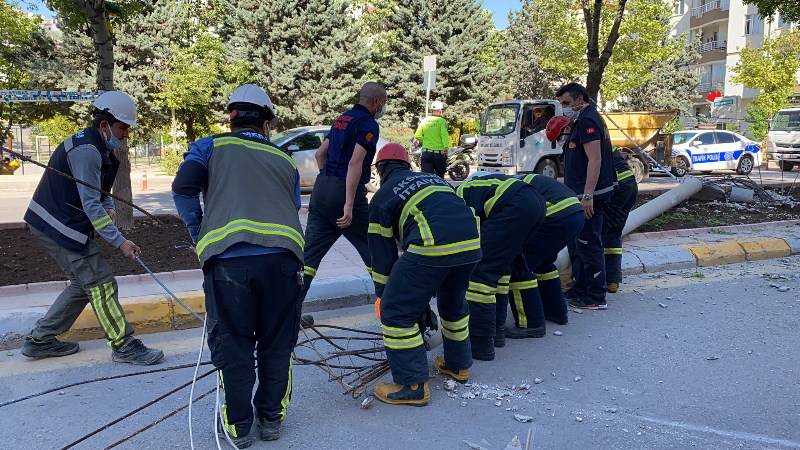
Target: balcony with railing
710,11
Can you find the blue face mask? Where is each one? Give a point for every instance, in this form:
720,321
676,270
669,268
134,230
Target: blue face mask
112,143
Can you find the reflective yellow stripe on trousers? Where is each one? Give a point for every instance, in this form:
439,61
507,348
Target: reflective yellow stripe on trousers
547,276
612,251
401,338
456,331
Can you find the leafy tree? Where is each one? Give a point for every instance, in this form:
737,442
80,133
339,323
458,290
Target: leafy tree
15,32
772,68
308,55
671,85
612,45
460,33
788,9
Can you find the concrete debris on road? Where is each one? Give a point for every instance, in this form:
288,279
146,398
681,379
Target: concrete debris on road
712,358
538,381
662,305
577,379
523,419
450,385
558,333
514,444
579,419
611,409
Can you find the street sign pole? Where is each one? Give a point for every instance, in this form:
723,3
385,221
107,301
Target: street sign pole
428,78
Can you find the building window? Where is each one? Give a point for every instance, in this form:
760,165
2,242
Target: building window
782,23
680,7
751,23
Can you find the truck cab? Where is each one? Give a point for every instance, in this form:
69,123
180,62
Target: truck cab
783,140
512,139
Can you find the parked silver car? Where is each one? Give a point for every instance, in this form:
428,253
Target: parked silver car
302,144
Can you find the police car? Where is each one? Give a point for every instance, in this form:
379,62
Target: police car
707,150
302,144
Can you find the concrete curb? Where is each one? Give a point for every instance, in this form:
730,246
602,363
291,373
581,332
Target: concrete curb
158,313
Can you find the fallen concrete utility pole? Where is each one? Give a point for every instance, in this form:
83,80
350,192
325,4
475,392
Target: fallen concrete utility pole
689,186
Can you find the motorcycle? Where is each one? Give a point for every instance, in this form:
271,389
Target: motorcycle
460,158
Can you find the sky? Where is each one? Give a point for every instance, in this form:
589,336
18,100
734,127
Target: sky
499,8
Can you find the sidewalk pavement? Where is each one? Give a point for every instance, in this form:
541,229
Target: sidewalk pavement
343,281
28,182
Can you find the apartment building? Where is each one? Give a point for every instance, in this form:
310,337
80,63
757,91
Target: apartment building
720,28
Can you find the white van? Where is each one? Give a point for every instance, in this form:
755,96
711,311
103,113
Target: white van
783,139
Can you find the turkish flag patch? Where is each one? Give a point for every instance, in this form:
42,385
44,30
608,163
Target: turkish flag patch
590,131
369,137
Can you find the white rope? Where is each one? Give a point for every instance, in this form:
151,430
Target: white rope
218,416
194,380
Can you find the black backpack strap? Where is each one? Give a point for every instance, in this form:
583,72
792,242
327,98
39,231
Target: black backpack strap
348,138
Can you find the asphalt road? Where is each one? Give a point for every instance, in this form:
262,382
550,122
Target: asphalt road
715,367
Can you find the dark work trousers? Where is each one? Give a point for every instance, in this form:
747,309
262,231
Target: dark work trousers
501,307
91,279
624,198
538,295
503,235
325,208
433,162
253,304
587,257
409,290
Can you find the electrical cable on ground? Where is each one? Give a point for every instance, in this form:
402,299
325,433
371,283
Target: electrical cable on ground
94,380
146,405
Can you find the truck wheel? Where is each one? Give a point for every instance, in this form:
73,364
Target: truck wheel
374,181
547,167
637,167
459,171
745,165
682,169
786,166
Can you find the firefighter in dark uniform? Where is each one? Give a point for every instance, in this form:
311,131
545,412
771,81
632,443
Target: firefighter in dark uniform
510,211
537,295
338,205
617,210
589,172
441,245
250,248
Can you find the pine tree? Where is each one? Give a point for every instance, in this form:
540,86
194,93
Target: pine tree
458,32
308,55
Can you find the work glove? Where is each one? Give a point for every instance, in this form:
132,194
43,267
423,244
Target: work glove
615,216
428,320
519,267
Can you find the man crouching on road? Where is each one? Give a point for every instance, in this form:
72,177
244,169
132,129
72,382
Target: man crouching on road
250,246
441,245
64,215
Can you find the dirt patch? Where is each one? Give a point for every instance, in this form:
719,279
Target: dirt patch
22,260
697,214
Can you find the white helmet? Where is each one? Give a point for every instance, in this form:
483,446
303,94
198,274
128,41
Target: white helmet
477,174
437,106
118,104
250,93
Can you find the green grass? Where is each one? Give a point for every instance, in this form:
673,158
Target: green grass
715,231
667,218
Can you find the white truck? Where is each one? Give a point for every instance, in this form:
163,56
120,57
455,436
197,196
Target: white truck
783,139
509,143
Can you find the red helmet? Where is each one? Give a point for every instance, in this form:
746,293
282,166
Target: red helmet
393,152
554,127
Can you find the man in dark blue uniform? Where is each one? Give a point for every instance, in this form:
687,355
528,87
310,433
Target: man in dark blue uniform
511,211
441,245
617,210
589,171
338,205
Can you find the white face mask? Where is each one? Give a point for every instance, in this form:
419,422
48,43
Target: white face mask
380,113
112,142
573,112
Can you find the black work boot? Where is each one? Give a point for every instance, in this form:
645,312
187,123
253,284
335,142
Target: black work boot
238,441
482,347
306,320
134,352
524,333
270,431
48,348
558,320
